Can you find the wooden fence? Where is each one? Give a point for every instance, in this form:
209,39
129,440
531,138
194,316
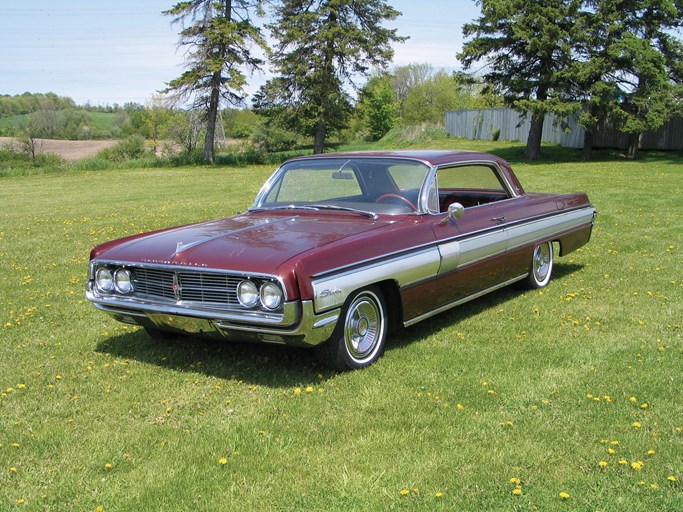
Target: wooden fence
508,124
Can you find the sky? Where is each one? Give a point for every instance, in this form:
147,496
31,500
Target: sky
104,53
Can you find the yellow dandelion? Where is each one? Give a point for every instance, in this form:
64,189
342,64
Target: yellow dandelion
21,386
404,492
309,389
99,508
439,494
108,465
514,480
615,443
611,451
603,464
517,491
637,465
564,495
633,399
654,486
459,407
671,478
490,392
297,391
636,424
650,452
644,406
222,461
13,469
623,462
21,501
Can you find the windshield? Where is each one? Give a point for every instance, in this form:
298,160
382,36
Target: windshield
378,185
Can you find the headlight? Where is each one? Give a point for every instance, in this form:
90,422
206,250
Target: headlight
104,280
271,296
247,294
122,281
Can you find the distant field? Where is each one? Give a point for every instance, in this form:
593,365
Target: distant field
102,122
70,150
567,398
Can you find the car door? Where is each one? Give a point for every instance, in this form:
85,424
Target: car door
472,247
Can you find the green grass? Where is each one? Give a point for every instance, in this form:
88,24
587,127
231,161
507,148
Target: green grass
513,385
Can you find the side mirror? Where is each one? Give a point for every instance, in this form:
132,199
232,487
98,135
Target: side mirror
455,211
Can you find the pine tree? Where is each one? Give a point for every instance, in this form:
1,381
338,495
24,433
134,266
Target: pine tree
524,46
220,36
323,47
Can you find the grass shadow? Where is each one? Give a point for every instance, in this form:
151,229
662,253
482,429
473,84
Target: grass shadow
273,366
278,366
452,317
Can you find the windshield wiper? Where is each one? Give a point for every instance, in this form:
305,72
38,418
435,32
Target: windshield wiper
364,213
287,207
315,207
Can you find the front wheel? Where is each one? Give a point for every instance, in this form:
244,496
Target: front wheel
541,266
358,339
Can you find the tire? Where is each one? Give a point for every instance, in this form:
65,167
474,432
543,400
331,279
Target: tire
358,340
541,268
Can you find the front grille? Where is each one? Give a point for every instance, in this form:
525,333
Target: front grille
186,286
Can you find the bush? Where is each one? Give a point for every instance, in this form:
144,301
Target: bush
400,136
272,139
130,148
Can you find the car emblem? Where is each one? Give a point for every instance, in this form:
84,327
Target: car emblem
329,292
177,289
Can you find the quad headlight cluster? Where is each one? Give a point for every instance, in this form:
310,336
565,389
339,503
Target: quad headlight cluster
269,295
119,280
253,293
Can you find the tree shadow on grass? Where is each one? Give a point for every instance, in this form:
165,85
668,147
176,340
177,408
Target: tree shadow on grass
278,366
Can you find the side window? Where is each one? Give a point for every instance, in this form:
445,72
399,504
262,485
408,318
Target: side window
469,185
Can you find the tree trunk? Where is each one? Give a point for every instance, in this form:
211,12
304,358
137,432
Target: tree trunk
632,152
319,138
587,150
211,116
533,143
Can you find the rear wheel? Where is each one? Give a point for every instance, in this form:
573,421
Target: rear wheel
541,266
358,340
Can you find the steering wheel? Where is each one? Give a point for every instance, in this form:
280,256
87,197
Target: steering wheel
387,196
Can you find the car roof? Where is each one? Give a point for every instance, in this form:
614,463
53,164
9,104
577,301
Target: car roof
432,157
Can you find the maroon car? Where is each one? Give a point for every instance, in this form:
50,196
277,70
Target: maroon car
340,249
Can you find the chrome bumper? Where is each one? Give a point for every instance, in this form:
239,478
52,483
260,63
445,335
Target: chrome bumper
306,328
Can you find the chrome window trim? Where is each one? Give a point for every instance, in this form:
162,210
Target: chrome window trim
263,192
432,180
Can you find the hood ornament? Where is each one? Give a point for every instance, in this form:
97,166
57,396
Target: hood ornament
180,246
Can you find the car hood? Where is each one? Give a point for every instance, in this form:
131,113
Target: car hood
252,242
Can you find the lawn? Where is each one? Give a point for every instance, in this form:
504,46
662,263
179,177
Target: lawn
567,398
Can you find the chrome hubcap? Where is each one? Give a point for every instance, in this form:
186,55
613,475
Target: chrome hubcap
363,327
542,261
